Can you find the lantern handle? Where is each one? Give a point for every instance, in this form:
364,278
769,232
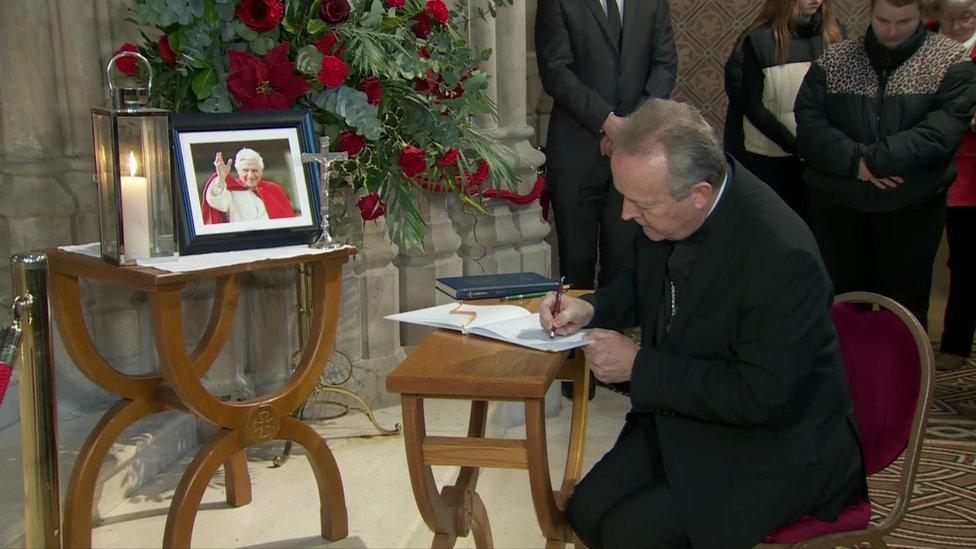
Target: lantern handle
120,55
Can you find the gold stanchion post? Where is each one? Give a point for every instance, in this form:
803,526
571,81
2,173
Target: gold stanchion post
38,407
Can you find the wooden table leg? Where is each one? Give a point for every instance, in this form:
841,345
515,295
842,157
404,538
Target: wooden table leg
237,480
457,510
81,488
551,519
333,515
579,373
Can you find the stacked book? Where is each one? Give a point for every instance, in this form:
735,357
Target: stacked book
517,285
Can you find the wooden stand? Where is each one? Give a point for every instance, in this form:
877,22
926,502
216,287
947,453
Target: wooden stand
451,365
179,386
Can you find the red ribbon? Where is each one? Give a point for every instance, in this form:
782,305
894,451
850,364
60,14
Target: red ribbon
537,192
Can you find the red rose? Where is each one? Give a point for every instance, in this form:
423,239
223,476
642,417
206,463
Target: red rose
424,52
351,143
438,10
334,11
422,26
261,15
428,83
127,64
413,160
166,52
396,3
450,158
373,90
481,174
327,44
370,207
334,71
266,83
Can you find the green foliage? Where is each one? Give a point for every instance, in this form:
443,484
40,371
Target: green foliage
428,101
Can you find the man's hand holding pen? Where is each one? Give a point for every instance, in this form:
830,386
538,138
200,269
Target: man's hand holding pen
573,313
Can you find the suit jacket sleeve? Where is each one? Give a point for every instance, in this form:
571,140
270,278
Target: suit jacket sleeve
614,304
934,140
779,334
825,147
555,57
664,55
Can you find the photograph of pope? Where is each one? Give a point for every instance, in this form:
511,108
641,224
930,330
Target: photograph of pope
247,197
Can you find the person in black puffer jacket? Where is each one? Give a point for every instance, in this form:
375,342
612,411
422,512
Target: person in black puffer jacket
879,119
776,53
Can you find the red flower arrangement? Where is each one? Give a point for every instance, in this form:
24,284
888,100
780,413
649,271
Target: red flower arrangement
266,83
334,72
438,10
370,207
373,90
260,15
166,52
350,143
413,160
423,26
334,11
449,159
353,68
127,64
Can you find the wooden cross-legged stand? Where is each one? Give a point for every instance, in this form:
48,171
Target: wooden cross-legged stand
179,387
454,366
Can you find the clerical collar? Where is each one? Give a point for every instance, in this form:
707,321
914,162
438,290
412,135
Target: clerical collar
721,191
700,231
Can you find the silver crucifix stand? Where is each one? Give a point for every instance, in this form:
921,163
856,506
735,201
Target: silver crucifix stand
324,158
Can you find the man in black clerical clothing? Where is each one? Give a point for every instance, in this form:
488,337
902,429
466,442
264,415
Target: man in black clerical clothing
741,418
599,60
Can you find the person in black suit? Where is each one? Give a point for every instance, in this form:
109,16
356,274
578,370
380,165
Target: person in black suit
598,59
741,417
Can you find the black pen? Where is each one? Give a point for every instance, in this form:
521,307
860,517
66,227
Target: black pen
555,308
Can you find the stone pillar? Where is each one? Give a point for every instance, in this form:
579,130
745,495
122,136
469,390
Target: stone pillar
371,291
420,267
529,251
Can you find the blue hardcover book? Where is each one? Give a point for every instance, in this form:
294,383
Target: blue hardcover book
495,285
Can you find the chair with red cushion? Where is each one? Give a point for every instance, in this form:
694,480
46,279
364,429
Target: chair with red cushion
888,360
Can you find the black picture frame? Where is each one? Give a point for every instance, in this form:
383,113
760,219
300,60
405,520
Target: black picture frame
281,135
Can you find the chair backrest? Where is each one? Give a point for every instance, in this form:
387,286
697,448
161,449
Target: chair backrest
888,360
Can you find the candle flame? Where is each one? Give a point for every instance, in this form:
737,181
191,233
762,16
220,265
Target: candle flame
132,163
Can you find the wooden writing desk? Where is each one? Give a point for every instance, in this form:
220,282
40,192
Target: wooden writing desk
179,386
451,365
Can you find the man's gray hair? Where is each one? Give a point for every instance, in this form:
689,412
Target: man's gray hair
250,155
692,151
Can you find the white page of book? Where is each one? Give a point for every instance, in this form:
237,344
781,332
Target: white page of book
527,331
441,315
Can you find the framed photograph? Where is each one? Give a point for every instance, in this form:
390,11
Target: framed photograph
241,183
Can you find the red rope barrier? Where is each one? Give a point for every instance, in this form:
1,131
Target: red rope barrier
5,372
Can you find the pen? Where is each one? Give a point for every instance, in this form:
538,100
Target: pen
555,308
523,296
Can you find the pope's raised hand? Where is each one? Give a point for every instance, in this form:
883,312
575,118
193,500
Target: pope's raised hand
223,170
574,313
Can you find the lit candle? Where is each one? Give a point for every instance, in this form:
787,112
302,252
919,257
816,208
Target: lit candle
135,213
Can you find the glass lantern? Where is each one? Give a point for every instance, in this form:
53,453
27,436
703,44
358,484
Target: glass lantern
134,173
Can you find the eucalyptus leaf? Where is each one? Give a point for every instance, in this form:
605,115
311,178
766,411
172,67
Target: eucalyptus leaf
225,10
203,83
245,32
262,45
309,60
317,26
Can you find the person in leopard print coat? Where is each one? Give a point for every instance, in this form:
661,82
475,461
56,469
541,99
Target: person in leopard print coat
879,119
